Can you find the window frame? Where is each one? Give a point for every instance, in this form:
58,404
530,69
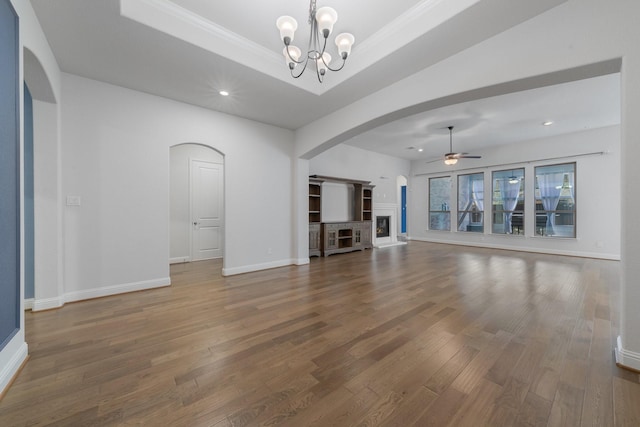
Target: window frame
446,209
520,201
556,212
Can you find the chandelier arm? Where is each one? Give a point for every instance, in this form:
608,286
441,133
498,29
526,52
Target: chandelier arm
302,71
344,61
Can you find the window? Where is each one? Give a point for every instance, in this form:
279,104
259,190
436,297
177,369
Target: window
471,202
439,199
508,202
556,200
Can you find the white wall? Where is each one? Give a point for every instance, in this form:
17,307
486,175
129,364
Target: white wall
115,156
345,161
179,195
47,203
597,194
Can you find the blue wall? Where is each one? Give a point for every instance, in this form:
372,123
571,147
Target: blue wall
9,175
29,280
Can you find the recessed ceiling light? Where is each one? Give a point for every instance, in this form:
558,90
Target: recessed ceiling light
224,93
420,150
547,123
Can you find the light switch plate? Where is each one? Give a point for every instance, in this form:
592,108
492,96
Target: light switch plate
73,200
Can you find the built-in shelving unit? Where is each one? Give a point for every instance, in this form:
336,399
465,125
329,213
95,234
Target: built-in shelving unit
315,189
364,202
338,237
315,216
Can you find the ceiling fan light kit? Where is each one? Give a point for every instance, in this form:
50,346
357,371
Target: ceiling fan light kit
450,161
321,23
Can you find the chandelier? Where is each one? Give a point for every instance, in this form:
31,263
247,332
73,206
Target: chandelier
321,22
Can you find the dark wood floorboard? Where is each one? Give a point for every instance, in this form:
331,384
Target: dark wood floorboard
415,335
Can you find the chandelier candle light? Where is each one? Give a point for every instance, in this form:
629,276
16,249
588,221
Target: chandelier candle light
321,22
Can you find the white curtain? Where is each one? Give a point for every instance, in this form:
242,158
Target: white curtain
550,186
463,195
509,194
464,199
478,193
571,184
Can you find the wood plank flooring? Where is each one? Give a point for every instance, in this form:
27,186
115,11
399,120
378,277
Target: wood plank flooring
422,334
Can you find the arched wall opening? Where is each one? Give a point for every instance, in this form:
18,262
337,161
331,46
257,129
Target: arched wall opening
43,215
401,184
196,207
326,133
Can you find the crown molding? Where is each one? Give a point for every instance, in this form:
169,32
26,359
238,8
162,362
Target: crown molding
178,22
213,29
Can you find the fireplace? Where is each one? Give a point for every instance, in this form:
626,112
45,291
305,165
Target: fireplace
385,225
382,226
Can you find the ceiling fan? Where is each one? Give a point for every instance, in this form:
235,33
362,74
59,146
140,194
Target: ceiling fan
451,158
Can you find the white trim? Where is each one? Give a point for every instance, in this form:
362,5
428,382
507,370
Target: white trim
257,267
57,302
547,251
169,18
394,28
47,303
626,358
10,369
388,245
179,260
117,289
28,303
302,261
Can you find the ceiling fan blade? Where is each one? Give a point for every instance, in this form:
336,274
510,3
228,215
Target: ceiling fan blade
464,156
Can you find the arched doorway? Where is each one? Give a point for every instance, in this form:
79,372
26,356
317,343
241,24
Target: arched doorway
196,213
401,184
42,213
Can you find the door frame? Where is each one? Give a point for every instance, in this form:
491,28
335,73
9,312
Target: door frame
189,257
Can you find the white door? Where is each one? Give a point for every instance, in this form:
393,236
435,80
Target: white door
206,210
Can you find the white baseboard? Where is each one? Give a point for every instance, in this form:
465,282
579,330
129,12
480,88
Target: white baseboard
117,289
388,245
28,303
179,260
302,261
47,303
50,303
10,369
579,254
626,358
257,267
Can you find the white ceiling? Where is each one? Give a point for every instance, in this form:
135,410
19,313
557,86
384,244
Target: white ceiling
512,118
188,50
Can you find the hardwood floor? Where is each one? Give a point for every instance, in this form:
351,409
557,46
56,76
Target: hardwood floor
423,334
